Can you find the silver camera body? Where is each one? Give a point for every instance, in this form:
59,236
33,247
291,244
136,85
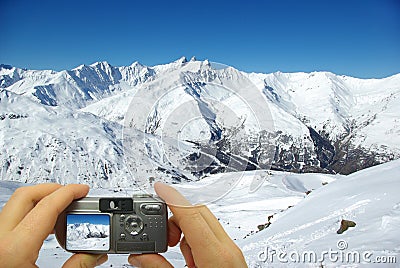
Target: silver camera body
114,225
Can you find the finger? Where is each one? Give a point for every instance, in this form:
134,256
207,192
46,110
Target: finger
21,202
187,253
177,203
215,225
170,195
189,219
85,260
195,229
174,233
40,221
148,261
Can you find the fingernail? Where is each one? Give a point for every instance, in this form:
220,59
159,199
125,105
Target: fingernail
101,259
135,262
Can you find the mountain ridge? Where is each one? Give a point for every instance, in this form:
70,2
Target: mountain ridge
323,122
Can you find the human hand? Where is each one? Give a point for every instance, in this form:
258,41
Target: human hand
204,244
29,217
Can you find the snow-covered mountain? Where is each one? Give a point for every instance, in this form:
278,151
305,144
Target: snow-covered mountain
74,88
187,119
358,117
41,143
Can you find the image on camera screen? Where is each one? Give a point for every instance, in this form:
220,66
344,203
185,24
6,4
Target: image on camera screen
88,232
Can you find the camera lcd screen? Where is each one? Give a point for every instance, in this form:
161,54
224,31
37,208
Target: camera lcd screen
88,232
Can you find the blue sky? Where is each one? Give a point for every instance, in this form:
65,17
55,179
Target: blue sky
358,38
88,218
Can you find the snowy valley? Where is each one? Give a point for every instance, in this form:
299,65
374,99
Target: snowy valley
280,218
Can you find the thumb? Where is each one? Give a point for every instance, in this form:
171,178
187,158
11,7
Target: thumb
85,260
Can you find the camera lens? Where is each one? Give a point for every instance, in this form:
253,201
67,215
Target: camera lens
133,225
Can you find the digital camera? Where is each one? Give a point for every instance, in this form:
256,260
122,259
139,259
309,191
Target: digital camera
114,225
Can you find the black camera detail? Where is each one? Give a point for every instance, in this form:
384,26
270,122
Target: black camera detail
115,205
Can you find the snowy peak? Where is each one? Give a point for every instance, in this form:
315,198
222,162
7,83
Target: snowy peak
181,60
8,76
136,74
323,98
102,65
